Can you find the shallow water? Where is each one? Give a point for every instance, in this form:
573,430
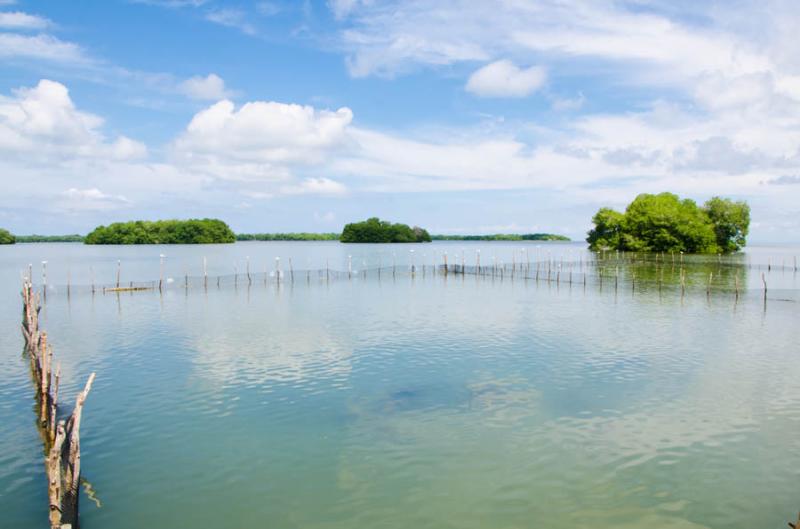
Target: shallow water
402,402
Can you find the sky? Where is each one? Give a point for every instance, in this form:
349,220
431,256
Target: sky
461,116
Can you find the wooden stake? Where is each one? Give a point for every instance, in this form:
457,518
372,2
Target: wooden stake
54,487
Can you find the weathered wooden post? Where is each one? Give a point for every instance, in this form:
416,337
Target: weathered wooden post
44,280
161,271
119,271
291,271
764,280
349,267
247,269
444,259
683,283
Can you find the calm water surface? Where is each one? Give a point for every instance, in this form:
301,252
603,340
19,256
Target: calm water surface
408,402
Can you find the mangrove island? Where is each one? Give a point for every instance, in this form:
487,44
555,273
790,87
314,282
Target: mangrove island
666,223
375,230
191,231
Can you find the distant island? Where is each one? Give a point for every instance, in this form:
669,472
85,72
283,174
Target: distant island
6,237
192,231
375,230
503,237
50,238
666,223
299,236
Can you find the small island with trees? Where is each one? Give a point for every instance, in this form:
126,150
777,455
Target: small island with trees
6,237
375,230
192,231
666,223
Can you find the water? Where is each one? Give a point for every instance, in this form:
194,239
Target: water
427,402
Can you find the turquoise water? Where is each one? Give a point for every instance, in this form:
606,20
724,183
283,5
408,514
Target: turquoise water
423,401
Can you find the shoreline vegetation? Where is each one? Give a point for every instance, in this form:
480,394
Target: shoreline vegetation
191,231
504,237
666,223
295,236
311,236
50,238
6,237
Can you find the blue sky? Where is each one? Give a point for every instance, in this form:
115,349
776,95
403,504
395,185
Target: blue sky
460,116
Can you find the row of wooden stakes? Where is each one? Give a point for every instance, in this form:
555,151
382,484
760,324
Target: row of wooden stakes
61,437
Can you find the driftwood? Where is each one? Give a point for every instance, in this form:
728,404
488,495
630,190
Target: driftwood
61,437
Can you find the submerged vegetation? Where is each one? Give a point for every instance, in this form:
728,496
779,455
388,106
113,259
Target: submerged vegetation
665,223
503,237
6,237
50,238
300,236
192,231
375,230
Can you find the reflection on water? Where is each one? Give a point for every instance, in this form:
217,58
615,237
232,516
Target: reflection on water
427,402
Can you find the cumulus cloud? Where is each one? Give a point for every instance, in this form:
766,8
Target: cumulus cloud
20,20
210,87
42,123
504,79
261,139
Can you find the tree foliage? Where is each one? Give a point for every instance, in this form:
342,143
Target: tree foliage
731,222
6,237
192,231
665,223
374,230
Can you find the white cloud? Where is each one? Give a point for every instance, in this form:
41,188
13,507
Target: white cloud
232,18
504,79
211,87
565,104
342,8
42,123
261,135
316,186
20,20
90,200
44,47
